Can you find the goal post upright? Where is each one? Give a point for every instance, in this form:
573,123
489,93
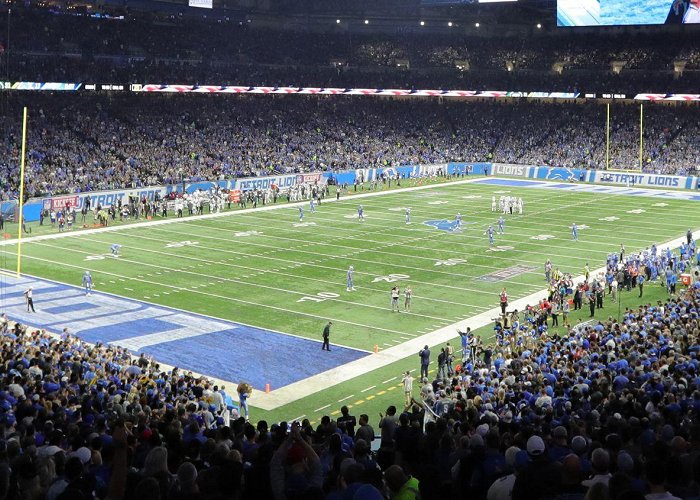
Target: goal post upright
21,192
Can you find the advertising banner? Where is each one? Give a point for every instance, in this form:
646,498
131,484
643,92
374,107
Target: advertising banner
61,202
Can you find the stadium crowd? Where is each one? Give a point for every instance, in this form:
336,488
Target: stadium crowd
85,142
187,49
607,411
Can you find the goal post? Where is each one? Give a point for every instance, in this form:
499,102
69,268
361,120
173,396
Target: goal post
20,215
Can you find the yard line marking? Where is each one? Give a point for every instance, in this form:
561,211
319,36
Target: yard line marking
359,402
130,289
330,256
380,393
234,280
387,381
322,408
346,398
368,388
297,419
370,397
208,294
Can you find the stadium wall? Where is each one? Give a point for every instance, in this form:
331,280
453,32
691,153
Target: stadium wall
109,198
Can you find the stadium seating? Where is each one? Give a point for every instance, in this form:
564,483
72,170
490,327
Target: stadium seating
89,142
614,403
172,49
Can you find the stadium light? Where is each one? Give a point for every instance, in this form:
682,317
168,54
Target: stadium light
477,25
539,26
366,21
422,23
449,24
337,21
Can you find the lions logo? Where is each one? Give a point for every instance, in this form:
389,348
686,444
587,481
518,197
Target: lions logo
443,225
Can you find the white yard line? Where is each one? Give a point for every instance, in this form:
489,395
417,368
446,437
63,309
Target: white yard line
348,371
278,206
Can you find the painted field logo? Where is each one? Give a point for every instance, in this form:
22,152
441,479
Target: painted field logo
247,233
438,202
542,237
443,225
611,218
636,211
507,273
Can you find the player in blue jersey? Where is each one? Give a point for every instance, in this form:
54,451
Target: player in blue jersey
408,216
115,249
312,206
87,282
501,225
360,214
489,232
351,284
301,214
458,220
574,232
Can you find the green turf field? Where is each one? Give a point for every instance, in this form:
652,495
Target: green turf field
265,269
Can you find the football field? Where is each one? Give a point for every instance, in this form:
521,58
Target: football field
244,295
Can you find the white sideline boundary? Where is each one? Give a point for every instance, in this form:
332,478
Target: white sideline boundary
231,213
277,398
348,371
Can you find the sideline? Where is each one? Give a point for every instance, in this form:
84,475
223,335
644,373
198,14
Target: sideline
348,371
230,213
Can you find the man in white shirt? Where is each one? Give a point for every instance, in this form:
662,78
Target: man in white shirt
408,387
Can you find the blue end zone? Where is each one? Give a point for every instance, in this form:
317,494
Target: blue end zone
509,182
112,334
591,188
210,346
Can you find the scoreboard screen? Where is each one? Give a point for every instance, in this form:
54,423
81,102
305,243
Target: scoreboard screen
627,12
461,2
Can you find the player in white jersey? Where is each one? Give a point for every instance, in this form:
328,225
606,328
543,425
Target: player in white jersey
520,206
301,214
312,205
493,203
408,216
458,220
